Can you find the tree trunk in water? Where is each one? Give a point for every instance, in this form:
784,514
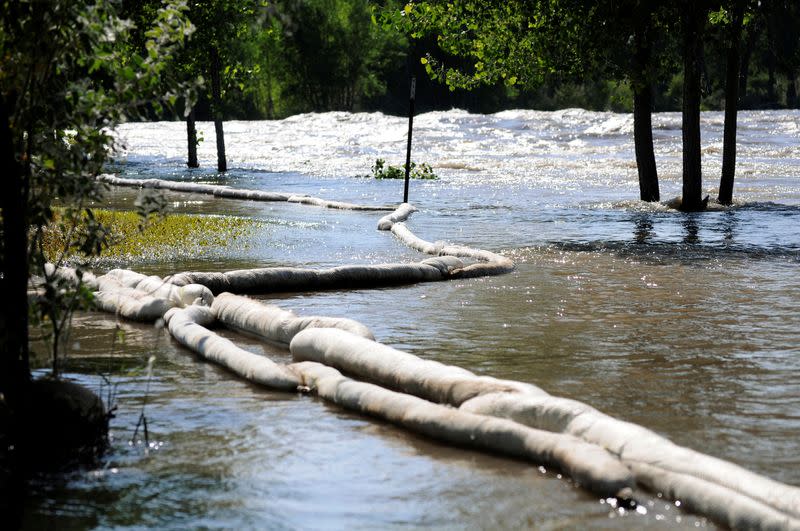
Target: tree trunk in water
14,362
191,137
731,107
692,171
216,94
642,115
643,140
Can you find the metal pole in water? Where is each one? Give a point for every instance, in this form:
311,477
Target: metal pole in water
410,130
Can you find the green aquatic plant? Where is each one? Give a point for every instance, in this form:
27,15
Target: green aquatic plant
381,170
157,237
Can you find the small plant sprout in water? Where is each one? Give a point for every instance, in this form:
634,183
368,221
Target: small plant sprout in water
382,170
142,422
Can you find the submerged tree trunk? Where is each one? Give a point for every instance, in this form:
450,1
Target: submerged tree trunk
643,141
216,94
642,117
692,50
14,364
731,107
191,137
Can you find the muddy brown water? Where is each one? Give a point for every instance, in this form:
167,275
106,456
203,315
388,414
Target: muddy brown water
685,324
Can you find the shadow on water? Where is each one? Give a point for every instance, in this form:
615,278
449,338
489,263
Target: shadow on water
643,228
735,232
692,230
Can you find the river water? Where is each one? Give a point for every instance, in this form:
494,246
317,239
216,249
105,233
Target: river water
687,324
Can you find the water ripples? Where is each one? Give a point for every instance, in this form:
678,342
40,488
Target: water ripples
685,323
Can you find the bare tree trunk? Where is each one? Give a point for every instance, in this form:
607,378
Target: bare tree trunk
750,44
731,106
14,360
791,91
642,119
692,49
772,94
270,101
191,137
643,141
216,94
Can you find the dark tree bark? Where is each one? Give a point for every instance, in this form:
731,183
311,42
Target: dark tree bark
14,362
772,94
642,120
191,137
791,92
731,106
270,101
693,21
744,76
643,141
216,94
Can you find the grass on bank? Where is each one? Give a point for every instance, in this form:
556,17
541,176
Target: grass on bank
130,237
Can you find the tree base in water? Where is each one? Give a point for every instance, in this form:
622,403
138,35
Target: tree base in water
64,424
677,204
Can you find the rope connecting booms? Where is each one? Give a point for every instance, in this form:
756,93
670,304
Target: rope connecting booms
605,455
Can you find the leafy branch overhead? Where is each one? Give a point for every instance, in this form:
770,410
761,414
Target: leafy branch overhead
59,98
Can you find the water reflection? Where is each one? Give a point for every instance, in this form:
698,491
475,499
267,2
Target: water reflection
643,228
729,226
691,228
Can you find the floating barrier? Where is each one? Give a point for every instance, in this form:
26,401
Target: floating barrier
235,193
401,213
603,454
728,507
292,279
366,359
738,491
489,263
316,201
141,298
638,447
273,323
132,295
588,464
186,326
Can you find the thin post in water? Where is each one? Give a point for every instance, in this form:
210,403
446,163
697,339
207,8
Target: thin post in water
410,131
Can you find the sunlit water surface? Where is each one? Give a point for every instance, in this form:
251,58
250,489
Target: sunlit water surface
685,323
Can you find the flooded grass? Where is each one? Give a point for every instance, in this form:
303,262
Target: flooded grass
132,238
